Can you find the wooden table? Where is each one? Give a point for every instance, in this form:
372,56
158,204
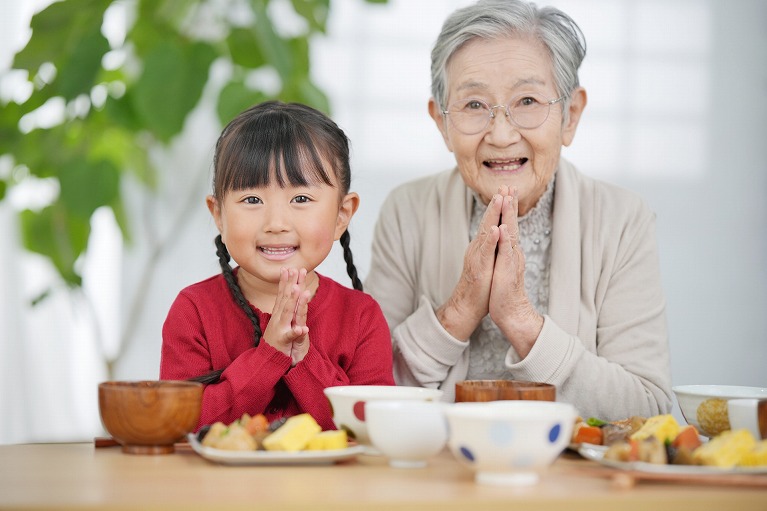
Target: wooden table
79,476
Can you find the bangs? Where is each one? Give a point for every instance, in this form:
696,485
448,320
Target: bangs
268,147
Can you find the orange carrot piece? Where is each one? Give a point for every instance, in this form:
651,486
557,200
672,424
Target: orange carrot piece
687,437
257,424
586,434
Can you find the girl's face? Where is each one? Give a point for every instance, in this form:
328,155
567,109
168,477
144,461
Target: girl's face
269,228
495,71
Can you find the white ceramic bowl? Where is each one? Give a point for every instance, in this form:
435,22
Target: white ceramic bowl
509,442
407,432
712,417
347,403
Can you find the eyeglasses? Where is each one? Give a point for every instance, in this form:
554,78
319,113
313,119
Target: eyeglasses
471,116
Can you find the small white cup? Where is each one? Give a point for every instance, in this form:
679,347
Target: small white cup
407,432
750,414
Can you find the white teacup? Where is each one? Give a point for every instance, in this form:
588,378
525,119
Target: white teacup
407,432
750,414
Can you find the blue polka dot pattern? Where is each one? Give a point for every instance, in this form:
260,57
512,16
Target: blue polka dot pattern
467,453
501,433
554,433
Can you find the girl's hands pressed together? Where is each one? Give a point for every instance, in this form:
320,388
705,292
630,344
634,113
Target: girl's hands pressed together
287,330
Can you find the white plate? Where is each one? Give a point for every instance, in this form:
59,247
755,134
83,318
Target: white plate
597,453
577,447
272,457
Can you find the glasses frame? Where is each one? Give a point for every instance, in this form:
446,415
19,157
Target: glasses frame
508,113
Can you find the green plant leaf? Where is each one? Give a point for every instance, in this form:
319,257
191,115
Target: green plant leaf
171,85
121,217
3,188
235,97
42,149
275,49
86,186
121,112
58,30
9,127
244,49
299,48
77,73
304,91
59,236
313,96
314,11
125,150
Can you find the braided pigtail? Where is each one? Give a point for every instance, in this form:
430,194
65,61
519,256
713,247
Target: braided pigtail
234,287
239,298
350,268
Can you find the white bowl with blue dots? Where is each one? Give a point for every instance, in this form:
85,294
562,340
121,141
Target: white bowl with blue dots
509,442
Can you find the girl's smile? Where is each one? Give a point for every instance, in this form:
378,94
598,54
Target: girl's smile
278,253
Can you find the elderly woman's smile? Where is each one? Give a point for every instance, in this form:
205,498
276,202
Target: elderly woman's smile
511,165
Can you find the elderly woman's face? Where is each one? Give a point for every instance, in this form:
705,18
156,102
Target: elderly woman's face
495,71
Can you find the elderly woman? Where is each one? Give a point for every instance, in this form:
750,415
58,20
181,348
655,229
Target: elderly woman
514,265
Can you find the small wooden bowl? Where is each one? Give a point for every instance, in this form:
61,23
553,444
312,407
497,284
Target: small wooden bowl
499,390
148,417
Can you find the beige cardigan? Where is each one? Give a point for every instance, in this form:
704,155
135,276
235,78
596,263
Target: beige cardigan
603,343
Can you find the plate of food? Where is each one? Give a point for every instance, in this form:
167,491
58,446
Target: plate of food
659,445
598,454
253,441
256,457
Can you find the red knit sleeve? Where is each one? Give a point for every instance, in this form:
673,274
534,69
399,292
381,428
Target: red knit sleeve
195,343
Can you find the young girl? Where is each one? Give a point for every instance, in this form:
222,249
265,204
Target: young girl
269,335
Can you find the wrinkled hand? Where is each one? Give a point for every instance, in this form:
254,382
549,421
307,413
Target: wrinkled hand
469,302
287,330
509,306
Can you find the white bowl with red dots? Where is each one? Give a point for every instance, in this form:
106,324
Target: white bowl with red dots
347,403
509,442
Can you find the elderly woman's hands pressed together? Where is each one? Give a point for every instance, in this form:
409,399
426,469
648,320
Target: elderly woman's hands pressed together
492,281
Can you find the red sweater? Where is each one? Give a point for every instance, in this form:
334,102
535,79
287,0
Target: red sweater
205,330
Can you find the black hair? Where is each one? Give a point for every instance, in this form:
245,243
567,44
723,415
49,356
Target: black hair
283,141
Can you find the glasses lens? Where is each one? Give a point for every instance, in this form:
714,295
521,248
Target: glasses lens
469,116
529,110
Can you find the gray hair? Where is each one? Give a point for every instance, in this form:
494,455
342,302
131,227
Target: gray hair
494,19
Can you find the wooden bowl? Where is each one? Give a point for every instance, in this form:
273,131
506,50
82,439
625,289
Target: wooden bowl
148,417
500,390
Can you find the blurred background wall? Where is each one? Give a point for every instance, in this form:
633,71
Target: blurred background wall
677,112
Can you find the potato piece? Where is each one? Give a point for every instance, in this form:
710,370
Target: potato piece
652,450
620,451
216,431
236,439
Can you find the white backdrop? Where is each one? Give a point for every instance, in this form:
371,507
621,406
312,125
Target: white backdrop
677,112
